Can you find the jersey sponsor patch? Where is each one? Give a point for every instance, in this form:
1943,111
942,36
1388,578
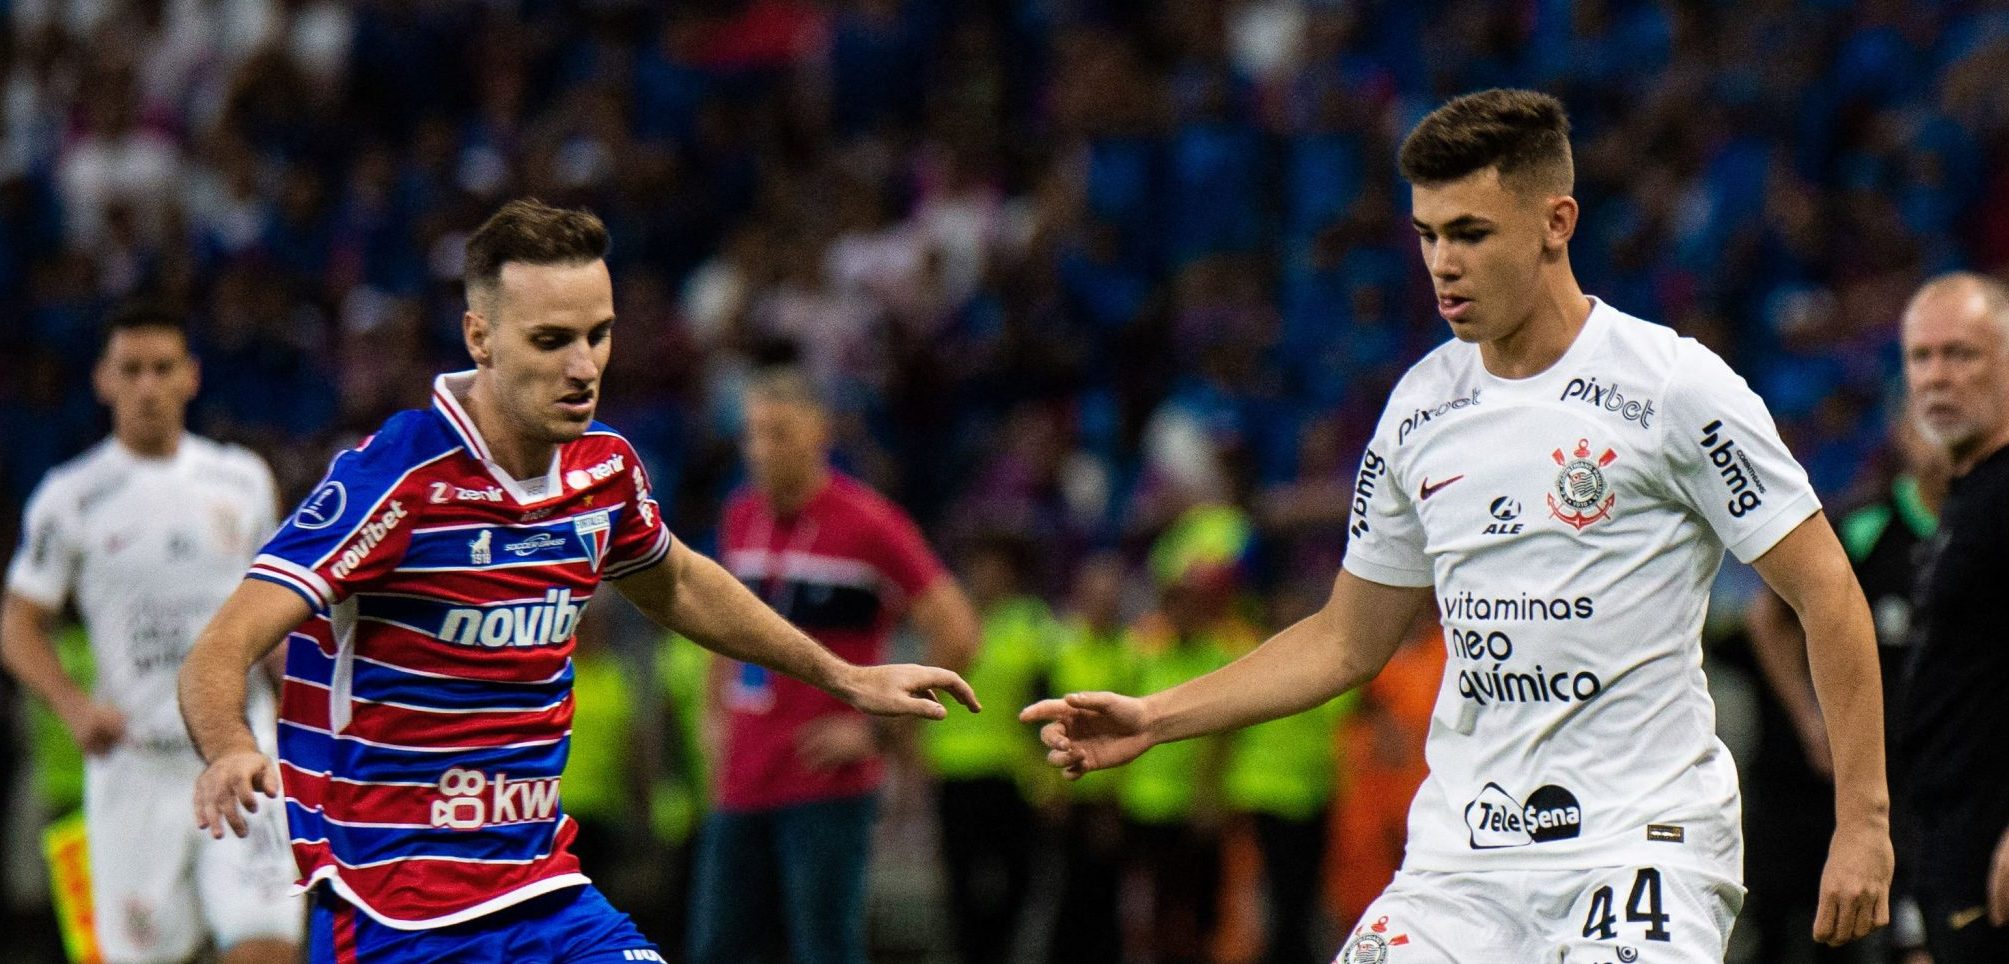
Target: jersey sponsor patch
323,507
1372,468
1582,495
1370,943
1741,481
1497,820
1609,398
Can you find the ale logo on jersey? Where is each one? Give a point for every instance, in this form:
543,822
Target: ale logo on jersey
1582,495
1370,943
1498,821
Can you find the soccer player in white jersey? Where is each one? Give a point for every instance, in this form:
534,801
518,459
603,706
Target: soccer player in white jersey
1566,477
149,531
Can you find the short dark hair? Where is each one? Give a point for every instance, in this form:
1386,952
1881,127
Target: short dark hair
1524,134
138,315
529,231
786,385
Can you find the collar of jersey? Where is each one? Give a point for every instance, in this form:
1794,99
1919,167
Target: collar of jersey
1587,339
446,392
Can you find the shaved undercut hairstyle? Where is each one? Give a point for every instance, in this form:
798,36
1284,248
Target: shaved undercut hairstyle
1523,134
528,231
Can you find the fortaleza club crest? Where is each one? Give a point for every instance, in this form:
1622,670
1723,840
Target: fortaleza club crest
1582,495
1370,943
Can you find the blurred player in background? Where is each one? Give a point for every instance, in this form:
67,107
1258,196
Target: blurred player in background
1886,538
1953,726
429,590
1567,478
786,848
149,531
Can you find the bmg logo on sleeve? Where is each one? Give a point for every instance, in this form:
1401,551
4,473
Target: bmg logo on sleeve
1739,476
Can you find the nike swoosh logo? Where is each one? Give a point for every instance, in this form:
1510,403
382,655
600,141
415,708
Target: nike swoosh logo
1959,919
1430,490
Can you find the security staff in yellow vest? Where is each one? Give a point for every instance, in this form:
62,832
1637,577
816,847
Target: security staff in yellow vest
984,761
1092,654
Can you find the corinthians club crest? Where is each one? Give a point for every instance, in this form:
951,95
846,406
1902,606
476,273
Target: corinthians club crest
1370,943
1582,495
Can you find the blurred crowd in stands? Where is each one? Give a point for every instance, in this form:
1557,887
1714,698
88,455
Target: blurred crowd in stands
1107,294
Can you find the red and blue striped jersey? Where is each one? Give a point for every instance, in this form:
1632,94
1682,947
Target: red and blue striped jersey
427,705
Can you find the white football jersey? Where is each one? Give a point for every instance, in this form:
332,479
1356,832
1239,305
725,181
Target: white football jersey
150,548
1571,523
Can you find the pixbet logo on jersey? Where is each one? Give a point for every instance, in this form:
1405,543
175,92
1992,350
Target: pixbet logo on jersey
1497,820
1422,416
474,801
1581,487
1738,474
1609,398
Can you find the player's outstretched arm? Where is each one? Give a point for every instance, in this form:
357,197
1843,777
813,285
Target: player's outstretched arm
1810,571
253,620
693,595
1323,655
29,653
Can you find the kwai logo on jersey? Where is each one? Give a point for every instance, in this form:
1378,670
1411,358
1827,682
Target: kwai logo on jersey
594,530
1370,943
1738,474
1497,820
1422,416
472,800
581,478
526,624
1582,496
372,535
1372,468
443,493
323,507
1609,398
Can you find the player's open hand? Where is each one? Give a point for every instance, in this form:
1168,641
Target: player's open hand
97,728
229,789
1091,731
906,689
1855,885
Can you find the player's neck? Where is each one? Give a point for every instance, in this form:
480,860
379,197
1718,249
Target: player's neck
522,458
1558,317
145,446
789,499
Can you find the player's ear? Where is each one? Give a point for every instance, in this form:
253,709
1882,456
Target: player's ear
475,329
1559,222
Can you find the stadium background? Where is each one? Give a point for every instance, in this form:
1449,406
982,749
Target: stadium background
1069,269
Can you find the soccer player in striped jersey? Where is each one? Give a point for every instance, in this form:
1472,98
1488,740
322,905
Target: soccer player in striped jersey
428,590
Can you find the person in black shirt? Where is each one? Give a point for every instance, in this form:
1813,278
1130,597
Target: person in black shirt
1790,790
1953,745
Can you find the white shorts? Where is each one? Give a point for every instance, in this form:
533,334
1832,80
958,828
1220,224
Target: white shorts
1611,915
159,885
